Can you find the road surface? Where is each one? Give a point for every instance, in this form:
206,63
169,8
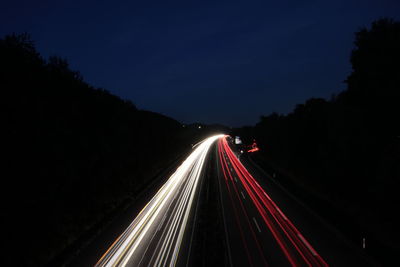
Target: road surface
266,226
263,224
155,237
265,233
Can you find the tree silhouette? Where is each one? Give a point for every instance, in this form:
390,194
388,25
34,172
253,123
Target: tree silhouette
73,153
347,150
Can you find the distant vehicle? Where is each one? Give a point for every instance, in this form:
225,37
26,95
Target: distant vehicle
237,140
254,147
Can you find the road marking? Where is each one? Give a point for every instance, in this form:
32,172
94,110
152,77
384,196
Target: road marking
258,227
281,213
242,195
267,196
307,244
224,220
193,146
162,221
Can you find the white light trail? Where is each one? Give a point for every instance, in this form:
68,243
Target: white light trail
166,215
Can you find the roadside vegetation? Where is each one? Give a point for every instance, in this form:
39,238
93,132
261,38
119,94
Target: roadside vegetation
72,153
346,150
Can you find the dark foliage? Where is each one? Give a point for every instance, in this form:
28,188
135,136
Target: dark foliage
347,149
71,153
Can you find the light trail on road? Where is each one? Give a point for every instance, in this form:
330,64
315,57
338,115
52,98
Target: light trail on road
294,246
155,236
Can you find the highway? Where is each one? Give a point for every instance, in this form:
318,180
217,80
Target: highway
266,226
154,238
262,225
266,235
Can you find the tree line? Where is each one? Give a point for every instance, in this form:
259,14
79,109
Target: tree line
346,149
71,152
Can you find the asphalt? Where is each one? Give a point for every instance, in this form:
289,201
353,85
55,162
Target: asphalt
159,234
251,242
253,235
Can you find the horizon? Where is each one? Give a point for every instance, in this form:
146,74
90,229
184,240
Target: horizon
214,63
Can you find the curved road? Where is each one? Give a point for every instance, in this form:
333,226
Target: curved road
155,237
263,226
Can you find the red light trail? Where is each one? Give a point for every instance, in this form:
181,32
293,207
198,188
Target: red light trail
254,147
297,250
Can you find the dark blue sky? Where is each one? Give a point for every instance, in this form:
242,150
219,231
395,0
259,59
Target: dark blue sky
218,61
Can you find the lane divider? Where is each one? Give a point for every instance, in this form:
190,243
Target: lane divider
274,218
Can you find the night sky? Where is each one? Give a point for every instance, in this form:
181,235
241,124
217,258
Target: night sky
211,62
